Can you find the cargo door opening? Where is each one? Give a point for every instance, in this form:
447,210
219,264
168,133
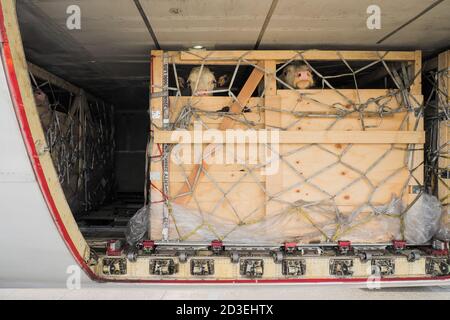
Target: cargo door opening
126,164
99,149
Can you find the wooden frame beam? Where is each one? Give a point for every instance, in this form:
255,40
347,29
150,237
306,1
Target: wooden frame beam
307,137
57,81
199,55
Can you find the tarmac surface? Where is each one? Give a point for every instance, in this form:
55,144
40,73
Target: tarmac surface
230,292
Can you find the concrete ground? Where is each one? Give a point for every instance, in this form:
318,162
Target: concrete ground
268,292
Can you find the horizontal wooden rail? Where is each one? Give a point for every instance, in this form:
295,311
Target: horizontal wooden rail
197,55
286,137
58,82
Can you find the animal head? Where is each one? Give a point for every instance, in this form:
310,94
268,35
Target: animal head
206,81
298,76
40,98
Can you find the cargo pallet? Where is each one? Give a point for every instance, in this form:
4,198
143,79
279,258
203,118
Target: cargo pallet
176,257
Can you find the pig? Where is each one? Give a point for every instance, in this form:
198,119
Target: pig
43,108
206,83
298,76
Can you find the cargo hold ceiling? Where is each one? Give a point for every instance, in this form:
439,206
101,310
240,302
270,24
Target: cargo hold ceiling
109,56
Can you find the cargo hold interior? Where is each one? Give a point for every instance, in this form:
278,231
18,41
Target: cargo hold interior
92,89
110,190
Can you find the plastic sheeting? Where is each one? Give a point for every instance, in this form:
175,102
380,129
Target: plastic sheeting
444,231
304,223
137,226
423,220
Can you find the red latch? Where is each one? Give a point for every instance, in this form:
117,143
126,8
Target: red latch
399,244
148,245
216,245
344,246
113,247
290,246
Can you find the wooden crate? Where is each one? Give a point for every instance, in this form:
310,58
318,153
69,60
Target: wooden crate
324,159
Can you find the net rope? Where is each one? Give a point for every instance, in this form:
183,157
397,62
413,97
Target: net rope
343,222
437,121
80,139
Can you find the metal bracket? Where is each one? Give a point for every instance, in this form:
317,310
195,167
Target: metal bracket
202,267
163,267
341,267
161,94
437,266
166,148
383,267
252,268
293,267
114,266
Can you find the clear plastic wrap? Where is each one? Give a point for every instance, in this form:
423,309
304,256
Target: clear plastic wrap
305,223
444,231
137,226
423,220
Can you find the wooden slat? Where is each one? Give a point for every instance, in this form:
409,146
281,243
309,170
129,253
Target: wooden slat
325,137
416,87
316,100
289,54
156,80
274,183
55,80
243,97
416,157
59,82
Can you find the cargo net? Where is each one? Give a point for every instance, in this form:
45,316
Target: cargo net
437,121
79,136
386,200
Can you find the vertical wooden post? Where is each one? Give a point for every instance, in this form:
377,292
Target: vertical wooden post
156,74
274,183
416,87
155,171
415,161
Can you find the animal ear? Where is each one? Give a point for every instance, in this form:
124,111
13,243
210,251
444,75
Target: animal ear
222,80
181,82
287,69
